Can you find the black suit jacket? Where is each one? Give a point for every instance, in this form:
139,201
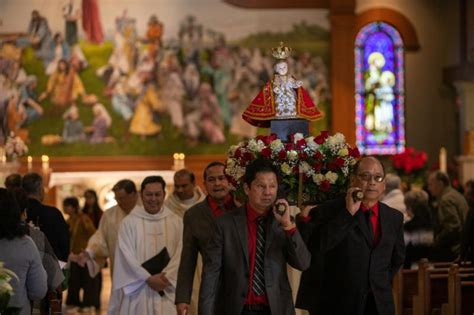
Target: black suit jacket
226,266
51,222
199,225
345,263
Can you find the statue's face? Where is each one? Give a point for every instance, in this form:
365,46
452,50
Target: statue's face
281,68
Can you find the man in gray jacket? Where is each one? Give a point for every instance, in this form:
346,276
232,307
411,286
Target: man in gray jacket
248,254
449,216
199,222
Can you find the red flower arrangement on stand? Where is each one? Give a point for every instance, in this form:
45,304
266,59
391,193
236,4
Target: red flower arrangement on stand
410,165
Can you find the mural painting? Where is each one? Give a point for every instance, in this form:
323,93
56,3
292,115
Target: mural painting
145,84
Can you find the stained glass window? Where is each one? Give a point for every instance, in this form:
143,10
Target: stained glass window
379,82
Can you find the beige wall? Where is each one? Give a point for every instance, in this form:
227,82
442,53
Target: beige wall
431,115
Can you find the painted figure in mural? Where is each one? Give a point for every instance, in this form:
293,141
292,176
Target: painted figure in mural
147,107
71,14
173,93
58,49
205,121
282,98
64,85
245,85
29,100
91,21
153,35
100,125
221,74
39,35
121,101
191,80
15,116
73,130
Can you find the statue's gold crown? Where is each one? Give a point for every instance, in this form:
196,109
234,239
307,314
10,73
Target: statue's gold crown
281,52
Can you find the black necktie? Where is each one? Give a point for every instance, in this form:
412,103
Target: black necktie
258,285
368,216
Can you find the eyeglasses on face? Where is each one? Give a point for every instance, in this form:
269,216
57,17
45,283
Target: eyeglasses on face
367,177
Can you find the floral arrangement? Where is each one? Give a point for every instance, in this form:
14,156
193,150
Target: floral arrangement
410,165
324,162
15,147
6,290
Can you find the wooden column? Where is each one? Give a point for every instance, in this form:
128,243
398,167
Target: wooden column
343,22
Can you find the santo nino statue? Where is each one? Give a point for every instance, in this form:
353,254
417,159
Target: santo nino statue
283,104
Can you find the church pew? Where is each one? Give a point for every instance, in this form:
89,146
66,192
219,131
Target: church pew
432,297
405,286
460,293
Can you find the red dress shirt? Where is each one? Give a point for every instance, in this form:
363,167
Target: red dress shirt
252,216
218,209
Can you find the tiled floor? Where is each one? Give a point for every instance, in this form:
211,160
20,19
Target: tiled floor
106,286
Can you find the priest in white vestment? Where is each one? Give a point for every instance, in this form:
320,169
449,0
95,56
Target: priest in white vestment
185,194
142,235
101,245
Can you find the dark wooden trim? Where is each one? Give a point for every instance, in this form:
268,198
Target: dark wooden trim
279,4
395,18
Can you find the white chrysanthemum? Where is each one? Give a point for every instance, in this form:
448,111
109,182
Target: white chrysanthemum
252,145
318,178
297,137
239,172
305,167
232,149
286,169
230,163
276,145
292,155
310,143
331,177
340,137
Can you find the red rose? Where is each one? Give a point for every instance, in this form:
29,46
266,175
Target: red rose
332,166
272,137
325,186
266,152
319,139
282,155
325,134
317,167
318,156
354,152
289,146
339,162
238,153
260,137
247,156
296,169
300,144
303,156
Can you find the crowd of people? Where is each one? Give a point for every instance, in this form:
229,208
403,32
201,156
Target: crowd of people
192,252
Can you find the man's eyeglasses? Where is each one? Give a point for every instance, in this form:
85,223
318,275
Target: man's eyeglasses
366,177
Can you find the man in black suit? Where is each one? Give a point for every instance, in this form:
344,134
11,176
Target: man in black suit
199,222
49,219
247,257
357,246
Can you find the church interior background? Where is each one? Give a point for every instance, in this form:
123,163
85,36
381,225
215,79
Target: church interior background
388,74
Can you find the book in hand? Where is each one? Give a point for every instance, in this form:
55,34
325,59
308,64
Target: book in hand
157,263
